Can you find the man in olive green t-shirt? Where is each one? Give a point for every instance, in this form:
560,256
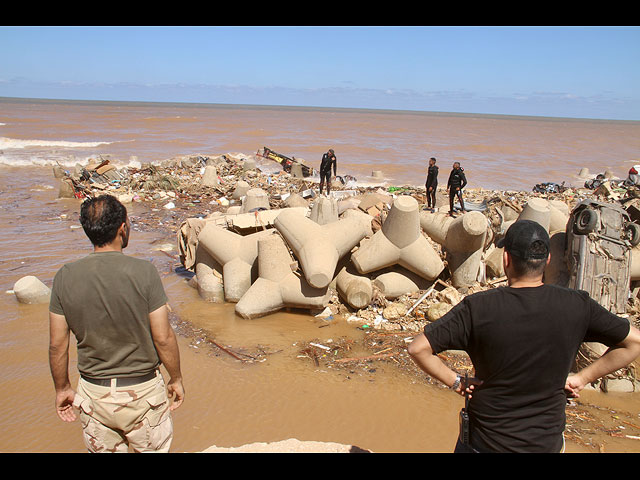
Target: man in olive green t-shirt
115,305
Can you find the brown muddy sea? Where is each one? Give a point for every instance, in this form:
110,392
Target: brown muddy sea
230,403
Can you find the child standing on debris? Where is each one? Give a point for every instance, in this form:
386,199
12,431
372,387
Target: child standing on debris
457,181
432,184
328,160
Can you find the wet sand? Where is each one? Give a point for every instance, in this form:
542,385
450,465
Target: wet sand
229,403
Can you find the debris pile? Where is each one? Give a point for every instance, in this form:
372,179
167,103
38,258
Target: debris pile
263,238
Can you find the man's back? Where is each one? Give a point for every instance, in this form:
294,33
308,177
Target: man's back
106,299
522,342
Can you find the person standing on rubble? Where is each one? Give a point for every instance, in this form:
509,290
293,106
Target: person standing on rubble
431,184
523,339
328,161
457,181
116,307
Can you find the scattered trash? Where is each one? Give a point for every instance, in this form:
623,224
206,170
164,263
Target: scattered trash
181,204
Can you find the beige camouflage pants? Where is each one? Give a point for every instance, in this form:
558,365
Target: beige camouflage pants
115,418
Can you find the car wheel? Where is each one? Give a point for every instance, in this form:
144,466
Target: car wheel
585,222
632,233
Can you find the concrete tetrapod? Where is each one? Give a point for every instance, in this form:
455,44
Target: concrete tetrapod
208,276
399,242
278,286
255,199
236,253
318,248
399,282
324,210
463,239
357,291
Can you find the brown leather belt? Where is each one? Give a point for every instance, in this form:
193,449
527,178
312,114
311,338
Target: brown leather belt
120,381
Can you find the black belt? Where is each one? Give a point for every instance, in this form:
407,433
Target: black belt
121,381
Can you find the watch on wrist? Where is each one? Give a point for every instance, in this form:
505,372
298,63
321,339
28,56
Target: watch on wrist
456,383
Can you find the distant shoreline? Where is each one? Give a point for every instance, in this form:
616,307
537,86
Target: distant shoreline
497,116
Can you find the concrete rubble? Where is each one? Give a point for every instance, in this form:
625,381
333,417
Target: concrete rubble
264,238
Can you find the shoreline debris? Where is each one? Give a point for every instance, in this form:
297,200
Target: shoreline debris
242,196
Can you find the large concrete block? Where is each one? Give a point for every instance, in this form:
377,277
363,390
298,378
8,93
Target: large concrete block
278,286
538,210
236,253
557,272
318,248
399,282
255,199
559,216
399,242
356,290
324,210
209,277
31,290
210,177
241,190
463,239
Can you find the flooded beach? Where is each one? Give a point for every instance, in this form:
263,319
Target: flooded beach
231,403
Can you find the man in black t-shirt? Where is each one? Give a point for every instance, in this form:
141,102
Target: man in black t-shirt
431,185
523,340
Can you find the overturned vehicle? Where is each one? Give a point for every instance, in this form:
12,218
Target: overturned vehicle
599,239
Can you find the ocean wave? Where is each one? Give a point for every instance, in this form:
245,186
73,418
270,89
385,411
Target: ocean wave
12,143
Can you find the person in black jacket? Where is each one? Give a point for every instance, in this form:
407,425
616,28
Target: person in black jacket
457,181
328,160
431,184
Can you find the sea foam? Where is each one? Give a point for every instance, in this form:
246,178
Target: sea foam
12,143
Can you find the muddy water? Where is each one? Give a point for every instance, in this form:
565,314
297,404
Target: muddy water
496,151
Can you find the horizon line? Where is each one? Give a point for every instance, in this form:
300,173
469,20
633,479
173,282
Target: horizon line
303,107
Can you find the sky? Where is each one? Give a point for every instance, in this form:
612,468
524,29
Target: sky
577,72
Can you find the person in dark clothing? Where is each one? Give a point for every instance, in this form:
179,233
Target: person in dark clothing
523,340
328,160
457,181
431,184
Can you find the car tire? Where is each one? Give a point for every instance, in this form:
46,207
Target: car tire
632,233
585,222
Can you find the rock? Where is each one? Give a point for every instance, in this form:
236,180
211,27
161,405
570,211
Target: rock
395,311
437,310
291,445
30,290
451,296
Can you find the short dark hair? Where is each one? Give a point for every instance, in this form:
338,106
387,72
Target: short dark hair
531,266
101,218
